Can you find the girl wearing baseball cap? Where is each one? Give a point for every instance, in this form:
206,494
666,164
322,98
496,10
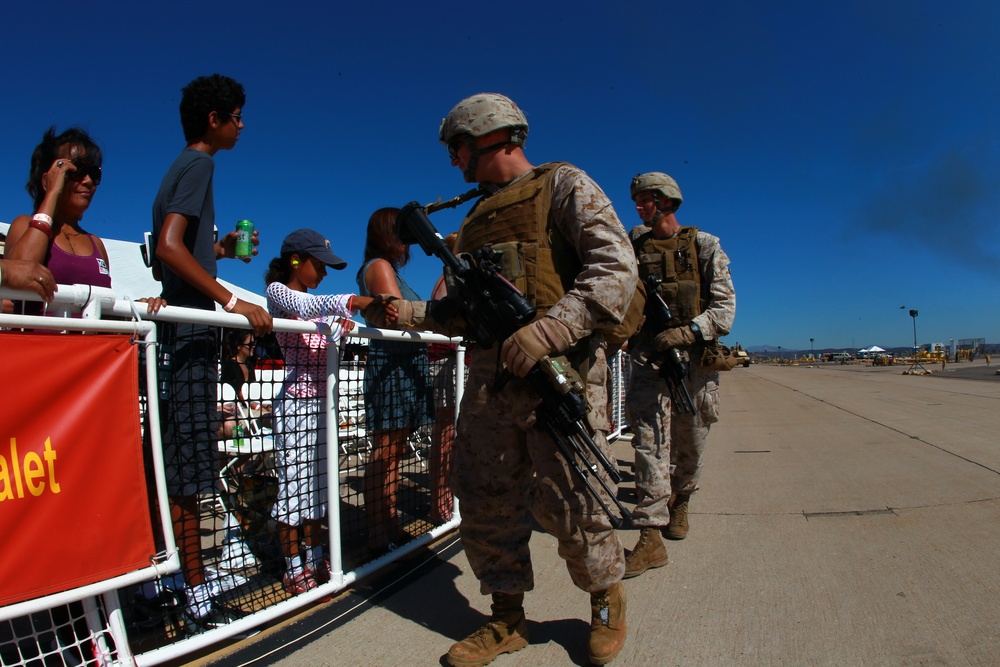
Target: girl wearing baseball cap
299,409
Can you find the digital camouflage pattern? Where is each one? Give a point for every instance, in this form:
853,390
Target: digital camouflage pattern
669,447
502,467
601,292
656,181
481,114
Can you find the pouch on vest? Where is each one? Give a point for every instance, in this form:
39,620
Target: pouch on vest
669,260
519,265
686,300
541,262
633,320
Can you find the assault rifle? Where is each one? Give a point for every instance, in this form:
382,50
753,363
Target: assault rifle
493,309
673,362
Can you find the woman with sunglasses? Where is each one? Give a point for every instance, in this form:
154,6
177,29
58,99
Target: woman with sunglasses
65,173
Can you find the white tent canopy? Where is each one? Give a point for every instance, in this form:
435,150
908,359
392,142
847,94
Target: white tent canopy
873,348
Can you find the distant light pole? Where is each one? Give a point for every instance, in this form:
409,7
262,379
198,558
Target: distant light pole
779,354
916,361
812,355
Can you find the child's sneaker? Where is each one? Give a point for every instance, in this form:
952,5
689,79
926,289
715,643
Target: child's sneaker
300,583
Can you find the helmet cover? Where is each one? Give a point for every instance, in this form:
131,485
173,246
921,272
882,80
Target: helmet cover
483,113
656,181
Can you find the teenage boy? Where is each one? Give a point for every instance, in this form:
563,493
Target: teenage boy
186,250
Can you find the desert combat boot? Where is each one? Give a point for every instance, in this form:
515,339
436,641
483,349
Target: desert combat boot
607,624
649,552
678,528
505,632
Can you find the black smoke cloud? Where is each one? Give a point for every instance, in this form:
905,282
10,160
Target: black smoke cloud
949,205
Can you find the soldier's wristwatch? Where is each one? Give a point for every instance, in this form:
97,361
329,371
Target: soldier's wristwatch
696,330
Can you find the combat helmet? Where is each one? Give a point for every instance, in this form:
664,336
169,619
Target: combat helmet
659,182
481,114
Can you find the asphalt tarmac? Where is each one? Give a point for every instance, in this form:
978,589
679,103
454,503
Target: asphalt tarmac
847,515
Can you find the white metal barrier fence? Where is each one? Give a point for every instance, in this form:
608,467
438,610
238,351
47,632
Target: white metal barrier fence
140,618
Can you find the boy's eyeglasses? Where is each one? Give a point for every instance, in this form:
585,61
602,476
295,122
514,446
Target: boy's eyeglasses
83,170
238,117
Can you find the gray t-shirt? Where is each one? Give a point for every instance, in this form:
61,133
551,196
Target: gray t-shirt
187,189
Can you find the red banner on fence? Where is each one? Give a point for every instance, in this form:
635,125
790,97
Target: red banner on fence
73,500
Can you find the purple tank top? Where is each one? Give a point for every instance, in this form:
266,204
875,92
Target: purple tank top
70,269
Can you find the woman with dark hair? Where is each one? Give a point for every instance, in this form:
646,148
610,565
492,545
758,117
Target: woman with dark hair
65,173
238,367
398,396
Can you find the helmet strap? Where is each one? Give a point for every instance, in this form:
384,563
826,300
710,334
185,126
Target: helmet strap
470,172
659,207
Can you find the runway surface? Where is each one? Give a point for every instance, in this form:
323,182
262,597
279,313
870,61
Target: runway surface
848,516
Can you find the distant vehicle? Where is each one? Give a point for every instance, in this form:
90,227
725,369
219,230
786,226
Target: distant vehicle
842,357
742,355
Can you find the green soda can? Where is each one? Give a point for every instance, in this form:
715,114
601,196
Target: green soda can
238,434
244,240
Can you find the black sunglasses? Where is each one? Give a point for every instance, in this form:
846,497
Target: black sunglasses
455,144
83,170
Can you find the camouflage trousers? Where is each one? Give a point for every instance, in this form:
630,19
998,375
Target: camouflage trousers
502,470
668,447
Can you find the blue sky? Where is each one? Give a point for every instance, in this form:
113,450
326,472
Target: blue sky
847,153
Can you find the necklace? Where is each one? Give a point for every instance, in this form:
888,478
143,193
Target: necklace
69,239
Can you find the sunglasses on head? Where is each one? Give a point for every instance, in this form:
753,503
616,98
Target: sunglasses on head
83,170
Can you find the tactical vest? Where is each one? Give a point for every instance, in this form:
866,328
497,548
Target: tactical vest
515,220
674,261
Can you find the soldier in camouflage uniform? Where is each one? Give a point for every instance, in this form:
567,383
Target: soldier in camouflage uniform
565,248
698,288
